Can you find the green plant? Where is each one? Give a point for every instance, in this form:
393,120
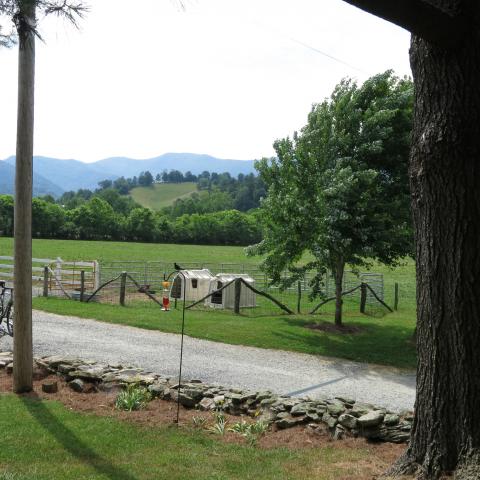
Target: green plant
199,422
220,425
132,398
258,428
240,427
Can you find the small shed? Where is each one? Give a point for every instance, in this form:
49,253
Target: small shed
197,284
226,298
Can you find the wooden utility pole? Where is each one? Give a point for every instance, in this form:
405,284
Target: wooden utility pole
23,347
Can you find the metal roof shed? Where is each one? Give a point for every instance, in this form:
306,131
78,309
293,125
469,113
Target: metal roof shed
197,284
226,298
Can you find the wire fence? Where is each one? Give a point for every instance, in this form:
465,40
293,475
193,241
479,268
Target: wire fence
145,283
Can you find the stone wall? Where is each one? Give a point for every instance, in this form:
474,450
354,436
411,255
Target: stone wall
342,416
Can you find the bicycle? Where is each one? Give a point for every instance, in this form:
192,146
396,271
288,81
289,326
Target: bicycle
6,310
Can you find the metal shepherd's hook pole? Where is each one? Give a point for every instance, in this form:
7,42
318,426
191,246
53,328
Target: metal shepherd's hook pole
181,347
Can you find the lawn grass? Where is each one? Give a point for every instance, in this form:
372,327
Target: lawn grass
42,440
383,340
161,195
125,251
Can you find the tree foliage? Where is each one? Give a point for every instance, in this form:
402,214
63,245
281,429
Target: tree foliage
339,189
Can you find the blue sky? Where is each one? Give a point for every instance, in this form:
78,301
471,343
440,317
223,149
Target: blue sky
223,77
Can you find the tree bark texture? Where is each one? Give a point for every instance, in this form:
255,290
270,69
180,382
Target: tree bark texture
445,186
339,270
23,354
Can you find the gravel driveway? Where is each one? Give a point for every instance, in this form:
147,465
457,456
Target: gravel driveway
230,365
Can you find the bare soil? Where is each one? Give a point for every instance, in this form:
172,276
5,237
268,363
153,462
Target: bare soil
163,413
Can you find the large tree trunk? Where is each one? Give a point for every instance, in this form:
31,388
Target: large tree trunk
22,351
339,269
445,185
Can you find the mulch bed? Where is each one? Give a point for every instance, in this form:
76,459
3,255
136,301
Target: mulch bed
163,413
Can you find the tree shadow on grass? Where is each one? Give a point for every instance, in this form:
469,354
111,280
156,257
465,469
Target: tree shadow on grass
70,441
386,345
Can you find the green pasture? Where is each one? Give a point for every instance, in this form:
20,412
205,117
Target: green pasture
42,440
161,195
127,251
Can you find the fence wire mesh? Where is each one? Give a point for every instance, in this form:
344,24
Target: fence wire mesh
297,298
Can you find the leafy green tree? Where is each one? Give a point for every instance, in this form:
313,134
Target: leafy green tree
141,225
145,179
96,219
339,188
47,218
6,215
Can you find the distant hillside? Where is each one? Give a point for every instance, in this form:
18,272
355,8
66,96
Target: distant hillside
179,161
55,175
41,186
68,174
162,194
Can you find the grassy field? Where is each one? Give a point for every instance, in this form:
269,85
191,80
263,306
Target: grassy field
42,440
123,251
162,194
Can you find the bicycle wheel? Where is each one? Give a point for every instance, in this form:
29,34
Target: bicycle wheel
9,319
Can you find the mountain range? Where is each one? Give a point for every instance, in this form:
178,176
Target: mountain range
54,176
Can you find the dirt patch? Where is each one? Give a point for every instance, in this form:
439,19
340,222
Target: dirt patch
332,328
160,413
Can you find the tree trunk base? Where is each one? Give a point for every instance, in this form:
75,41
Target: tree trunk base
468,469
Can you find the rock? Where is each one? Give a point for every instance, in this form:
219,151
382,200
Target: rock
186,400
87,373
156,389
263,395
109,387
219,399
303,408
6,354
335,409
266,402
266,416
193,393
76,385
50,387
348,421
386,434
288,421
329,420
9,368
65,368
3,364
360,409
282,415
195,380
339,432
206,404
54,360
238,398
312,417
391,419
347,400
371,419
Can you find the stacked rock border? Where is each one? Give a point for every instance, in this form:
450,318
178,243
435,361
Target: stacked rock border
340,415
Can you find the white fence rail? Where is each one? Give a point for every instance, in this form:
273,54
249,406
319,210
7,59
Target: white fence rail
55,276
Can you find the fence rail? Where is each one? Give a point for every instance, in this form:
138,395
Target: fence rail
55,277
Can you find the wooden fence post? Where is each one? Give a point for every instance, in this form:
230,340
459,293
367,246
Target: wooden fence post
45,281
123,286
82,285
363,297
395,301
299,296
238,291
